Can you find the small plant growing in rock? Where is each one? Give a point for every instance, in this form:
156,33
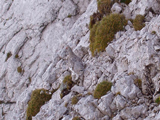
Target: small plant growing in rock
76,118
38,98
69,16
16,56
153,32
118,93
66,104
103,32
102,88
94,18
74,100
29,79
66,86
104,6
19,69
138,83
125,1
157,100
138,22
8,56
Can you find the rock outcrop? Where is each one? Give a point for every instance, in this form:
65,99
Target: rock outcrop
42,42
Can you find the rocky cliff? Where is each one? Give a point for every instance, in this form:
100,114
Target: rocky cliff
43,41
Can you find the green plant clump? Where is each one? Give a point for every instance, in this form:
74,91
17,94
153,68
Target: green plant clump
153,32
8,56
76,118
94,18
103,32
19,69
104,6
74,100
102,88
138,22
66,86
138,83
69,16
125,1
16,56
38,98
157,100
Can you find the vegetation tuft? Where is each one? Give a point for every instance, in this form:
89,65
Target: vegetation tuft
138,22
19,69
38,98
104,6
94,18
153,32
76,118
157,100
8,56
103,32
125,1
74,100
16,56
102,88
138,83
67,85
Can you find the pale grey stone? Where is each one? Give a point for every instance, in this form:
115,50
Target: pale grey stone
105,102
86,107
110,51
68,9
77,89
116,8
120,102
75,63
126,87
117,117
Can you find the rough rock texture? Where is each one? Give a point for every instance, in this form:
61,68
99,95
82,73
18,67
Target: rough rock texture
34,35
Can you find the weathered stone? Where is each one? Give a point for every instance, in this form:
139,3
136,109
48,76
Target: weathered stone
77,89
116,8
86,107
105,102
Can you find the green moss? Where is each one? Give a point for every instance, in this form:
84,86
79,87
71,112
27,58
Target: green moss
118,93
103,32
66,86
104,6
94,18
157,100
68,80
19,69
66,104
138,22
138,83
102,88
16,56
92,38
38,98
153,32
8,56
74,100
30,79
125,1
69,16
76,118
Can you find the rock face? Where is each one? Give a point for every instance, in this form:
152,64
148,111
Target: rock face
34,35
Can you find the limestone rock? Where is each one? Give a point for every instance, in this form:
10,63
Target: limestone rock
105,102
75,64
86,108
116,8
126,87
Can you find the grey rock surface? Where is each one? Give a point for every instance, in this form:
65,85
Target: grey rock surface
34,35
